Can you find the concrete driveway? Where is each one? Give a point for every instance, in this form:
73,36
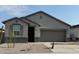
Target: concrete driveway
65,47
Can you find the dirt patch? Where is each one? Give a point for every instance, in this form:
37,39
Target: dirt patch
25,48
38,48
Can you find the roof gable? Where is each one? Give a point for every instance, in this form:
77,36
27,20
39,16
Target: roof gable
48,16
12,19
25,20
21,19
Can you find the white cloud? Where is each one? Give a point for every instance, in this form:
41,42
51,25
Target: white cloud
14,10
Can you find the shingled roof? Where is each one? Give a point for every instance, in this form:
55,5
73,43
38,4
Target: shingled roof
21,19
49,16
75,26
25,17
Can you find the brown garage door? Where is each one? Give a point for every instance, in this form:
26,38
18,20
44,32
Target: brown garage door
53,35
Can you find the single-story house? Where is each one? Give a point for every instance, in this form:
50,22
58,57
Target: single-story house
37,27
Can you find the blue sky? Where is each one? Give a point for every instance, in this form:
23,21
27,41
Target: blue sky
66,13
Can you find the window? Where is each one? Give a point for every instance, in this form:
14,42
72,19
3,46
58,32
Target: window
17,29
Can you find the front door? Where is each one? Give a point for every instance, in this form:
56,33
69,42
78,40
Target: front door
31,34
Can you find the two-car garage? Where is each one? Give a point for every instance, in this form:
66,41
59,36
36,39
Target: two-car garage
53,35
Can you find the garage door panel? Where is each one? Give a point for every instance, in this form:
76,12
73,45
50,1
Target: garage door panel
50,35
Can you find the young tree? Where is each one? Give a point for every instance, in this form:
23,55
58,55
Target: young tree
11,43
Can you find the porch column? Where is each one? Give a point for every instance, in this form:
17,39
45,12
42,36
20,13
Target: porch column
68,32
37,34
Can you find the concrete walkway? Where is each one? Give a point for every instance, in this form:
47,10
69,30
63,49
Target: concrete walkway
65,47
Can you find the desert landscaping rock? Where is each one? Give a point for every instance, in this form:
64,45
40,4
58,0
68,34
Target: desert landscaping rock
24,48
40,47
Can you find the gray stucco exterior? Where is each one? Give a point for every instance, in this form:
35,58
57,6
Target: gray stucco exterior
45,21
48,22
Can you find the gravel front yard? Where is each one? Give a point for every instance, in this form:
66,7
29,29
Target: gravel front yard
22,48
40,47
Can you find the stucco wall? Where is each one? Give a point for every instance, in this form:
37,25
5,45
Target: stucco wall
47,22
25,28
68,33
37,31
8,24
75,32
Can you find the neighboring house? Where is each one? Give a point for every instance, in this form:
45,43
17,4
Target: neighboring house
37,27
2,31
75,32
